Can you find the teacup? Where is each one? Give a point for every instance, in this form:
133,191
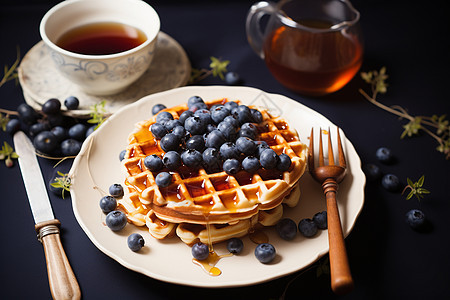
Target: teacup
101,73
313,47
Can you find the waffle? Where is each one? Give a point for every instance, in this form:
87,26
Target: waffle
140,215
232,203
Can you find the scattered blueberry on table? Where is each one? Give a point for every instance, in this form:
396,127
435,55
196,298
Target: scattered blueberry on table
116,220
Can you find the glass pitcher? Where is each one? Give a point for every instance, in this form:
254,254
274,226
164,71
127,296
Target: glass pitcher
313,47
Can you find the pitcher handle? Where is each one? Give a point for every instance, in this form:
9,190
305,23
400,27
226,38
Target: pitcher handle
255,36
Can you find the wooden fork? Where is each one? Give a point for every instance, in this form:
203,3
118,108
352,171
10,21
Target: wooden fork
330,176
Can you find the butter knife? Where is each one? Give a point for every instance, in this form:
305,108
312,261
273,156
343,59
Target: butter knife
62,281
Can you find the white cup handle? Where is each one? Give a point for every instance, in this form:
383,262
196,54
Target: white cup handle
255,35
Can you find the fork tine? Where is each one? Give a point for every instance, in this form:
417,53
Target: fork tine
311,150
321,160
330,149
342,161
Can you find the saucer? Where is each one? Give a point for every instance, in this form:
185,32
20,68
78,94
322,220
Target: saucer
40,80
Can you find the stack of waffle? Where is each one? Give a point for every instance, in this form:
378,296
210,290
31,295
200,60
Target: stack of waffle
210,207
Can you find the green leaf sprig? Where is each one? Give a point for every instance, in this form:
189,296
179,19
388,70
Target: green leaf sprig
217,69
10,73
98,114
437,127
7,153
62,182
416,188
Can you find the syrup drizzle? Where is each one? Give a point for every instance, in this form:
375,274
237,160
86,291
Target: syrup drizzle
209,264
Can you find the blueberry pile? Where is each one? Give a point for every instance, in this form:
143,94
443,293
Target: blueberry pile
53,133
219,138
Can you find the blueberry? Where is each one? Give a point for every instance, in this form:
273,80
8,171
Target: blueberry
196,142
57,120
195,125
229,150
320,219
70,147
265,253
122,154
116,190
268,159
286,229
12,126
210,127
171,124
251,164
27,114
284,162
214,139
194,100
307,227
198,106
108,204
228,130
172,160
90,130
200,251
157,108
45,142
163,179
192,158
51,106
384,155
158,130
415,218
71,103
179,131
243,114
78,132
38,127
372,171
219,113
235,245
163,117
231,166
116,220
248,130
60,132
186,114
256,115
246,145
390,182
135,242
170,142
204,115
232,78
211,159
153,162
260,147
230,105
232,119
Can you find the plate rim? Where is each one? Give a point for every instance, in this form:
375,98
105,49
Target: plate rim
86,147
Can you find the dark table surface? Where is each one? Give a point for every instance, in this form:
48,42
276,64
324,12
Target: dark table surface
388,259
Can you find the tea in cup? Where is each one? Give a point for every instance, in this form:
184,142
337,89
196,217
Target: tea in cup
102,46
313,47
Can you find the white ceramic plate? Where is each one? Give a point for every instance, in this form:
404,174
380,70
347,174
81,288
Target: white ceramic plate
170,260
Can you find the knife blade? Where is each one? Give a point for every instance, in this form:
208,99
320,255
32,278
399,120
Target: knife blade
62,281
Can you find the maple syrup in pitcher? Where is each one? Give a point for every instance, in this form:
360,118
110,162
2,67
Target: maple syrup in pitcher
312,47
101,38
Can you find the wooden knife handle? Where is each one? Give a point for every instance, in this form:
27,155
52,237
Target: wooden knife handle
62,281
